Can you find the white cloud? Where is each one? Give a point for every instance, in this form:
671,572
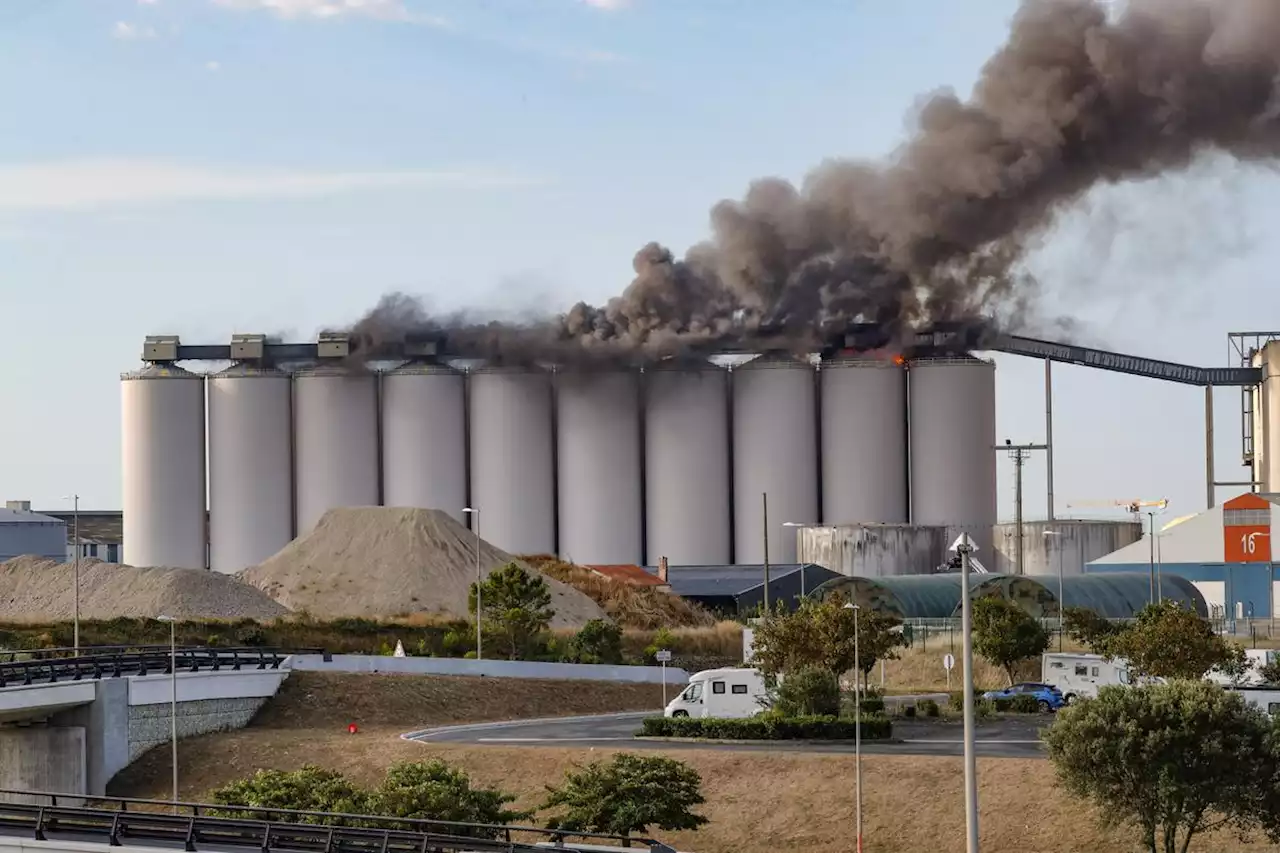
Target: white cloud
386,10
95,184
148,2
608,5
213,66
129,32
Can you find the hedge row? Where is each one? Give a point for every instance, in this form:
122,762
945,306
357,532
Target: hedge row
767,727
1016,704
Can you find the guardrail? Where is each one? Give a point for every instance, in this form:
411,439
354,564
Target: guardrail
145,661
190,825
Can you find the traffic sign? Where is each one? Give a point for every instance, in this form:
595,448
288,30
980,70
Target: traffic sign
948,662
1246,530
663,656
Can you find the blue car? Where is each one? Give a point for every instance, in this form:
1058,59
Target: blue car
1049,698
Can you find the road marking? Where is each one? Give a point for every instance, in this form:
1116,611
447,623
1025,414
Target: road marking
551,739
982,741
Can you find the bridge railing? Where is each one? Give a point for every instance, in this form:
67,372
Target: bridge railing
123,820
109,662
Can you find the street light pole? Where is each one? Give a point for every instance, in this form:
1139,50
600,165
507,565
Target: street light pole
75,562
173,701
1062,598
964,545
857,727
764,508
1151,517
475,524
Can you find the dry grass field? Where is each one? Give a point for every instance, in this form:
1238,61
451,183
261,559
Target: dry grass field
783,802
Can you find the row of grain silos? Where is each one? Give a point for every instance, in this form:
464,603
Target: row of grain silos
600,467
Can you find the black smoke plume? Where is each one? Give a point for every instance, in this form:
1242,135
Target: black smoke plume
938,231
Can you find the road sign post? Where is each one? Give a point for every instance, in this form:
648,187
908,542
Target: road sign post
664,657
948,663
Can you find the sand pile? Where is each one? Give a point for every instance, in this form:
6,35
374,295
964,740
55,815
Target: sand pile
392,561
32,589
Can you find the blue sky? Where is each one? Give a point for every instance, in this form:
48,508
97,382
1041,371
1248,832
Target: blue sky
209,166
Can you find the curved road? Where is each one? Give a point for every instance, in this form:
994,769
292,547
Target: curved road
1008,737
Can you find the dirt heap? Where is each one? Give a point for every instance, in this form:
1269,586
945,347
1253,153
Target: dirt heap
34,589
392,561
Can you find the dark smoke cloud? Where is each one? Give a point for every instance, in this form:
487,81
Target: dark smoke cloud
938,231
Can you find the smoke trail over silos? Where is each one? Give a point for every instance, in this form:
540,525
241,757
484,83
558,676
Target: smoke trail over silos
938,231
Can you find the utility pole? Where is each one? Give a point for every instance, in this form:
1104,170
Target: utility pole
964,547
764,507
1019,454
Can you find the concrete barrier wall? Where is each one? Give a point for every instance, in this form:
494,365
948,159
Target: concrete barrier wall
489,668
204,686
10,844
40,758
151,726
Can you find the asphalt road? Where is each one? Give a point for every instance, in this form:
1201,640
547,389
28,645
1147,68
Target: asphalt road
996,738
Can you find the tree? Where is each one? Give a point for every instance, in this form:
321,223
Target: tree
1269,672
1087,627
432,790
1167,640
598,641
821,634
1237,665
1006,635
517,607
1175,760
808,692
309,789
626,795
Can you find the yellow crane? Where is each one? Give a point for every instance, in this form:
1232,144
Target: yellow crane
1134,506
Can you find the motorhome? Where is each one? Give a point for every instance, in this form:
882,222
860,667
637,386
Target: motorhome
1266,698
1079,676
1257,658
722,693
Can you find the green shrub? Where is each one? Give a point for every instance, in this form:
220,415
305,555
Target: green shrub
1025,705
598,641
808,692
767,727
956,700
928,707
872,703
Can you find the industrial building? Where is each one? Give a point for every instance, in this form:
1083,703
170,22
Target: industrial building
23,532
737,591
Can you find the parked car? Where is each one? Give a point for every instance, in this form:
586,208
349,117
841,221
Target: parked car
1047,697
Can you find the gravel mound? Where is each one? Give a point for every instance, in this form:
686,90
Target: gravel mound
33,589
392,561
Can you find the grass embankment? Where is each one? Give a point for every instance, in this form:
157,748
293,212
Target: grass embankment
757,802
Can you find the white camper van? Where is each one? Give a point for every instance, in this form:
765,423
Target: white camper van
1078,676
1257,658
1265,698
723,693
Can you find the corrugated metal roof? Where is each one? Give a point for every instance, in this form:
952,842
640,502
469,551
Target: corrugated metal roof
1119,595
724,581
14,516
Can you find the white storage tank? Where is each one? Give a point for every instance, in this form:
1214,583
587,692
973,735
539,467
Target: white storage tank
512,473
598,455
250,466
335,421
953,456
424,440
774,451
874,550
864,441
162,460
687,465
1068,543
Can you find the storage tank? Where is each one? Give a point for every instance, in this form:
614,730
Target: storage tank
1266,420
864,441
598,457
512,473
686,432
874,550
424,440
162,462
1073,543
953,457
335,422
250,467
775,452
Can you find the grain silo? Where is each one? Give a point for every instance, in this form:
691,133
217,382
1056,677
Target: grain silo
250,466
424,441
874,550
864,441
163,462
512,472
1066,544
775,452
953,435
335,419
687,465
598,458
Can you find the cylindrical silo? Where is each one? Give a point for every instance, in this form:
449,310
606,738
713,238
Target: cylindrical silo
598,459
953,457
512,474
864,441
250,467
335,428
162,457
874,550
687,465
775,453
424,441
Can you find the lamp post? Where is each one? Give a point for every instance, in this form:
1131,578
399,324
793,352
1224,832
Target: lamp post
75,560
803,591
857,727
964,547
475,525
764,530
173,700
1062,598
